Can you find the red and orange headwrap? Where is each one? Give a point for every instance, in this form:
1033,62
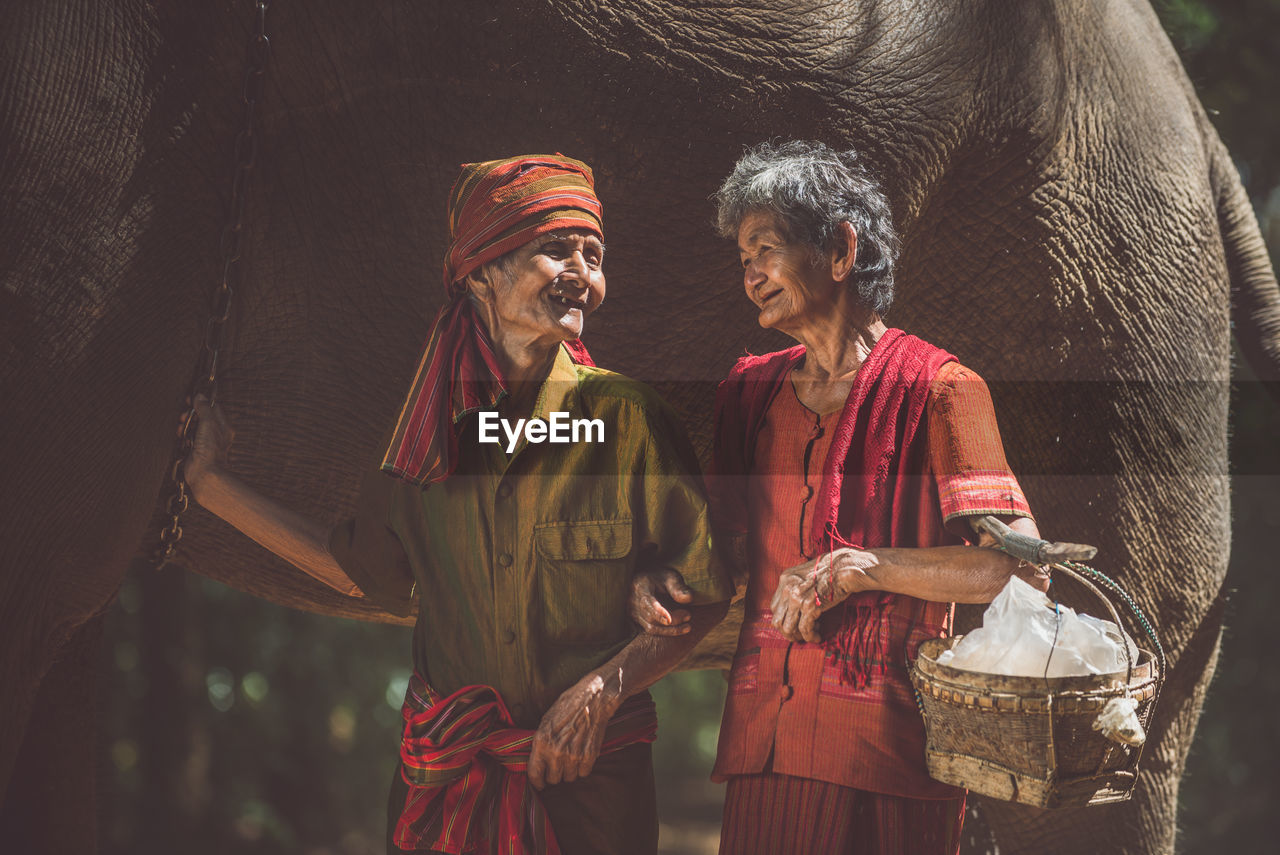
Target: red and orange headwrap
500,205
494,207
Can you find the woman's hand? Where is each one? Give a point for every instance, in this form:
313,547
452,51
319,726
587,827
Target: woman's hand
648,590
808,590
212,443
568,739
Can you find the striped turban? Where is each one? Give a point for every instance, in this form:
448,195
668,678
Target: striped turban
500,205
494,207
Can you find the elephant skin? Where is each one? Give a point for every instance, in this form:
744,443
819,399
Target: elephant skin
1072,228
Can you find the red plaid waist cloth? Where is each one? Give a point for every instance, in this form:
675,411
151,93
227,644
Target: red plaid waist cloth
464,763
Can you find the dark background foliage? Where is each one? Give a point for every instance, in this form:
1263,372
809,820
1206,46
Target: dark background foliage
1231,51
231,725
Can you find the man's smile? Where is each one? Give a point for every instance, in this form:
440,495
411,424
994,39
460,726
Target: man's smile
567,301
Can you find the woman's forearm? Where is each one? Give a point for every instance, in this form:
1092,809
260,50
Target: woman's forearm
570,735
950,574
301,541
648,658
941,574
945,574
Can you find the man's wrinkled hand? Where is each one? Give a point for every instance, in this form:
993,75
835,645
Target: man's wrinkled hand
649,589
568,739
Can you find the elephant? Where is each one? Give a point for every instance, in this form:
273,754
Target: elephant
1071,226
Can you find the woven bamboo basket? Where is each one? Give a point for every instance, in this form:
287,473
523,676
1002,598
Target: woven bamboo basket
1031,739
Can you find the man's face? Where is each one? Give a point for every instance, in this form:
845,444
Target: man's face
554,282
781,277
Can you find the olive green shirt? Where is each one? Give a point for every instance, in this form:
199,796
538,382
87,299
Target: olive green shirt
523,562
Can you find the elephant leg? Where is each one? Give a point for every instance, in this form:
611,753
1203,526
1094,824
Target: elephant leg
50,805
1145,824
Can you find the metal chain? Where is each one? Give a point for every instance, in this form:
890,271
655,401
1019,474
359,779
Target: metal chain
230,245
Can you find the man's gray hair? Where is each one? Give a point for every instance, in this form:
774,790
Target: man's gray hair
812,189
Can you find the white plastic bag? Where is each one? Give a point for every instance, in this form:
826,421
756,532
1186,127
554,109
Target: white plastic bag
1018,631
1119,722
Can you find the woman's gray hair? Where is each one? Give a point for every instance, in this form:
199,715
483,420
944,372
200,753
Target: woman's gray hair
812,189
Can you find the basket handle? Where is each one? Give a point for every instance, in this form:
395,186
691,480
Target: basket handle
1121,594
1064,556
1115,615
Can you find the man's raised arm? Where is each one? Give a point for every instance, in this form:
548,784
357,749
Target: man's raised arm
301,541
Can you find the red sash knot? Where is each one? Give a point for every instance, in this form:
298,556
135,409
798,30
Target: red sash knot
464,762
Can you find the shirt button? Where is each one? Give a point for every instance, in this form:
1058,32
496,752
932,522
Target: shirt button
508,637
505,559
785,693
504,490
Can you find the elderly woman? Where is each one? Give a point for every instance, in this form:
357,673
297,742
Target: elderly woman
843,468
526,721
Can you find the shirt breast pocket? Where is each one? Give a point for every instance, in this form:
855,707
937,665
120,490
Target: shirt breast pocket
584,578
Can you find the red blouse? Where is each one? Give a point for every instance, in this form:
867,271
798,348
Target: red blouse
788,710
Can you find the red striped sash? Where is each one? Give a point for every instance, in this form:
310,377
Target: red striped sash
465,762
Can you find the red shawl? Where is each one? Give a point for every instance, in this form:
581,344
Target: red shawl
873,491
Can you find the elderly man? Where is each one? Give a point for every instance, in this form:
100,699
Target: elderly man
527,726
843,468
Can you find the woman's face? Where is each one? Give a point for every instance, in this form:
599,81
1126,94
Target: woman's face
553,283
781,277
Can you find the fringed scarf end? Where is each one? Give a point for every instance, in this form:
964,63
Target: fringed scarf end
857,647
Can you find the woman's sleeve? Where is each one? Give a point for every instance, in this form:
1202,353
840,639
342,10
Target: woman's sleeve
966,453
369,551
